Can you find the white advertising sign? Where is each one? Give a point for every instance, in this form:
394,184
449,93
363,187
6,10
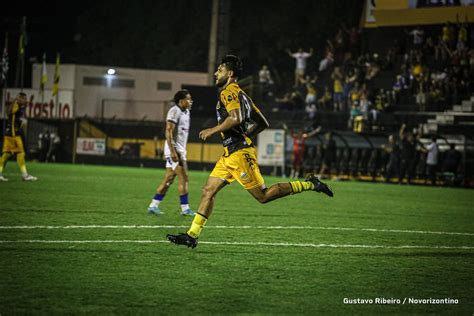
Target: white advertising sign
40,106
90,146
370,8
271,150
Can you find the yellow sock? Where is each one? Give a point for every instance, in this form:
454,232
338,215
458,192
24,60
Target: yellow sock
3,161
20,159
300,186
197,225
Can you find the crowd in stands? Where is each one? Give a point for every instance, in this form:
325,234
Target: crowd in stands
436,71
431,72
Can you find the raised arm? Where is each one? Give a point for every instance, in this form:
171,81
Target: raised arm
313,132
402,131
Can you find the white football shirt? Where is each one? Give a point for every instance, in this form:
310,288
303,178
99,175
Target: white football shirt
182,119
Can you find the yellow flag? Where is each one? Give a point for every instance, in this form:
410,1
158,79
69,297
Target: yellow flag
44,75
23,39
56,76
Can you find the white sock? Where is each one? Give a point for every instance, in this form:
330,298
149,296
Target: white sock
154,203
184,207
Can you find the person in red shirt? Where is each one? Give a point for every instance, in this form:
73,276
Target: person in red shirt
299,149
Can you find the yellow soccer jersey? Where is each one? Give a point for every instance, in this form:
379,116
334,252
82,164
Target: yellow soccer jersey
14,120
232,97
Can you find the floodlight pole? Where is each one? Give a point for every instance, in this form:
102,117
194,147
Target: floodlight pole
211,66
219,35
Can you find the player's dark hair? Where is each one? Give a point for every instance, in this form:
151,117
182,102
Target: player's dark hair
181,94
233,63
22,94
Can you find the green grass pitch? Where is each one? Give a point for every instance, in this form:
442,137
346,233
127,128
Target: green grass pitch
303,254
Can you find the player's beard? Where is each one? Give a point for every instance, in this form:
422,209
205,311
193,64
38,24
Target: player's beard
220,82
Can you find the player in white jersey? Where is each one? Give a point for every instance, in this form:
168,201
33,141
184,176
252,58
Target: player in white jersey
177,131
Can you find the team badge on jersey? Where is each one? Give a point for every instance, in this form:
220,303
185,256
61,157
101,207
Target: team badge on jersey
245,177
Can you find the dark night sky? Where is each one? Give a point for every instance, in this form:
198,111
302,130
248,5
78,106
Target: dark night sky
50,24
170,34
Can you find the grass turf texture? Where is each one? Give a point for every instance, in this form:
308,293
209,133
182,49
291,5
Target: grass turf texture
158,277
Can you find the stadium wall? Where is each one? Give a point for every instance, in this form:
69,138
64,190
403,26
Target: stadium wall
130,94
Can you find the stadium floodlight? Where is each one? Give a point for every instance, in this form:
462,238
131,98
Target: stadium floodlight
111,71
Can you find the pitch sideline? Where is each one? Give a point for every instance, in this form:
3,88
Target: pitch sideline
233,227
236,243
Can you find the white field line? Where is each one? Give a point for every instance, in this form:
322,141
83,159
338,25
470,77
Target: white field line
236,243
236,227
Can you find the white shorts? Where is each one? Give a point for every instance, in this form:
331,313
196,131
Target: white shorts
172,164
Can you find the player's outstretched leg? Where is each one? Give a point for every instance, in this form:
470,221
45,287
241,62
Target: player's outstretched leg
279,190
318,185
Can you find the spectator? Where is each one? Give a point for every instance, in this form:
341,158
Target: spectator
355,116
354,94
421,90
299,149
44,140
125,151
328,59
381,102
452,160
372,69
266,82
55,148
407,155
364,104
398,87
284,103
441,52
325,101
447,35
311,110
417,34
346,89
329,155
300,57
310,94
417,70
310,100
432,151
393,166
338,90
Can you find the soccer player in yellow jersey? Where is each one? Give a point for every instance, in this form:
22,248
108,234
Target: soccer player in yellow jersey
238,121
12,141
